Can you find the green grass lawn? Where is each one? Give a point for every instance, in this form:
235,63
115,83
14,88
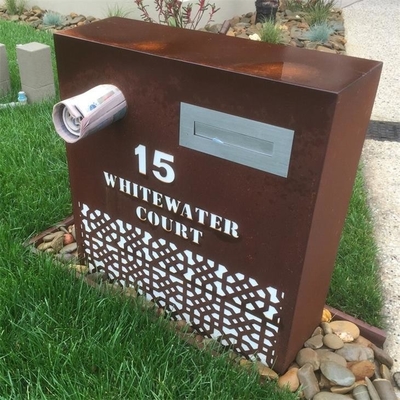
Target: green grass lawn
61,339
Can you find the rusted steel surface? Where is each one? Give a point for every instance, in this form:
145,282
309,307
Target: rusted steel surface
261,286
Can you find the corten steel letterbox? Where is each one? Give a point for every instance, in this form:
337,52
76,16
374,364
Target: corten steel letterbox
223,191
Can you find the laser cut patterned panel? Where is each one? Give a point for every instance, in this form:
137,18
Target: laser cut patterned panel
231,308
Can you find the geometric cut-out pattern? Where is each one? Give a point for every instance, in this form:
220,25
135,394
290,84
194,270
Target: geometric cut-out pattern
231,308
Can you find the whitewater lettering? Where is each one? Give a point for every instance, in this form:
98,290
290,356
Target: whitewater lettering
174,206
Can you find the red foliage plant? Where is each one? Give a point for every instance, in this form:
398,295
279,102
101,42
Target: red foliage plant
173,13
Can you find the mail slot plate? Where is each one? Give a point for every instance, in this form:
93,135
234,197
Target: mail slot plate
247,142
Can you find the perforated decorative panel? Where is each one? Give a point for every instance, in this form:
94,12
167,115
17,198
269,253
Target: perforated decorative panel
231,308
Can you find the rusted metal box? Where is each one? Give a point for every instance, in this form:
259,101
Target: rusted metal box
223,191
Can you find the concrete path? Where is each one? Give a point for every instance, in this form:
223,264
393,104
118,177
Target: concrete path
373,32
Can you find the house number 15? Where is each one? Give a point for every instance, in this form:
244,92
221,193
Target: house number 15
164,172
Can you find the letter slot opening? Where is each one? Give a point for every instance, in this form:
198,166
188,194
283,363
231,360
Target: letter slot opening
231,138
244,141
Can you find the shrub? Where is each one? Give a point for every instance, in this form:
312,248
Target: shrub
52,18
319,32
15,6
295,5
173,13
117,11
319,11
270,33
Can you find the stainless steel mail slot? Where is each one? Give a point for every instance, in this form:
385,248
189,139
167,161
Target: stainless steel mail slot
244,141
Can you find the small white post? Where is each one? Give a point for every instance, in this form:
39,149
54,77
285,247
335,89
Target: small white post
36,71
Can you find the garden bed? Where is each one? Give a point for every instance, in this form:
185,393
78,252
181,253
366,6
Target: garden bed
292,28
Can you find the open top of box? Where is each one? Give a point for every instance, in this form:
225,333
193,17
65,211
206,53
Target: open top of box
321,71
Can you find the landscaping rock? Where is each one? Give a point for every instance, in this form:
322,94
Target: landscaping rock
330,396
347,331
337,374
385,389
308,381
333,341
356,352
373,394
361,393
315,342
327,355
308,356
289,380
361,369
382,356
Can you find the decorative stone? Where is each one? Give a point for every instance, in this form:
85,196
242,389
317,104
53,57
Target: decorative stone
73,231
331,356
182,325
326,50
255,36
385,389
326,328
377,369
345,329
396,378
68,239
245,363
308,356
342,389
82,269
69,248
308,381
337,374
65,257
373,394
97,277
315,342
355,352
362,341
266,372
52,236
323,382
333,341
317,331
361,369
44,245
130,292
57,243
384,372
329,396
382,356
361,393
289,380
63,229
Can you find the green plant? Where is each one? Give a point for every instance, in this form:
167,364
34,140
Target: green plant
117,11
173,13
270,33
319,32
15,7
52,18
316,10
319,11
295,5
